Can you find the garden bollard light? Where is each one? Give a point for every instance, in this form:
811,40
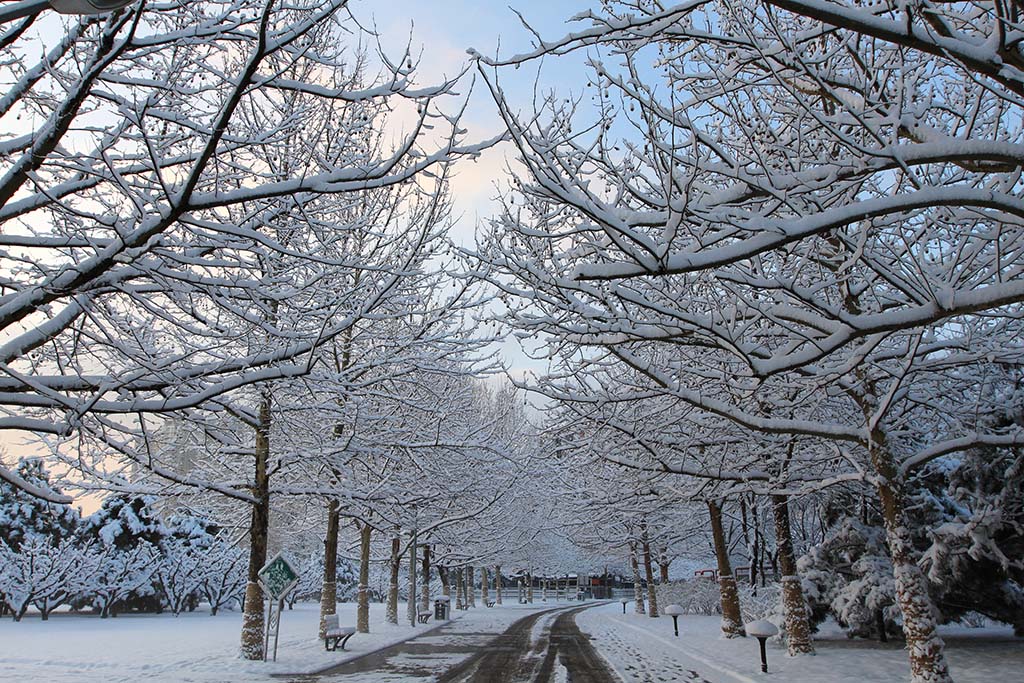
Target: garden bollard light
762,630
674,611
623,601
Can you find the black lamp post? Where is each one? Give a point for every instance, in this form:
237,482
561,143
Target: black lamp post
623,601
674,611
762,630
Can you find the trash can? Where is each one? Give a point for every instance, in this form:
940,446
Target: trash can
441,608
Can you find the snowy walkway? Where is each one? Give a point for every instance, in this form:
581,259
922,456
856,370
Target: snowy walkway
644,650
545,646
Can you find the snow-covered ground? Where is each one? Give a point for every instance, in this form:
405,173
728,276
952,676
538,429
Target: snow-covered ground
192,647
644,649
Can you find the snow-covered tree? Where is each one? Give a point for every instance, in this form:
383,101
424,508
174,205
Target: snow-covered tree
40,573
24,516
764,230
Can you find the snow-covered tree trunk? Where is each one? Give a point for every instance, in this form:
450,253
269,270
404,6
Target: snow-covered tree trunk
652,597
798,630
927,660
410,603
259,529
459,590
638,586
394,565
484,593
425,581
663,565
329,590
732,619
529,588
363,598
471,587
544,589
445,576
497,584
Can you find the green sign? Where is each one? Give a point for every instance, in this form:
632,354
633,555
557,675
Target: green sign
278,577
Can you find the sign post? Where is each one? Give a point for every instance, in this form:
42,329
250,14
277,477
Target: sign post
277,578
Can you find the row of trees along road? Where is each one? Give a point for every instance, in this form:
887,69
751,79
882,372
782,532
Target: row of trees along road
794,228
226,221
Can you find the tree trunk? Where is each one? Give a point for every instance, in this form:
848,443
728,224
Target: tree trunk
663,564
471,587
363,599
497,584
329,591
927,659
798,630
259,528
484,589
410,609
459,590
445,576
425,581
394,564
638,588
732,619
652,597
529,587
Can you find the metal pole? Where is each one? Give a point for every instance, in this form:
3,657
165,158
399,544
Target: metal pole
277,625
675,624
764,657
266,635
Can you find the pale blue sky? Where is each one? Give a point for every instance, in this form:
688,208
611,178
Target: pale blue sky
444,29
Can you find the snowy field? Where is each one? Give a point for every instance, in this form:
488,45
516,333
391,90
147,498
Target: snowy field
642,649
192,647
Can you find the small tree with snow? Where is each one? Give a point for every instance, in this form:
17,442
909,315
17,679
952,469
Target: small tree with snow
224,580
46,575
116,575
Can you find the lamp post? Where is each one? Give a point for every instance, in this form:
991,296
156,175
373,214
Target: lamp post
674,611
623,601
762,630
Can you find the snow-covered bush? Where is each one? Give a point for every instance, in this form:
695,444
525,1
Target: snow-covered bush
849,575
696,596
761,602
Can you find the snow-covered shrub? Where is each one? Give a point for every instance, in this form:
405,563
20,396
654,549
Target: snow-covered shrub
849,575
696,596
761,602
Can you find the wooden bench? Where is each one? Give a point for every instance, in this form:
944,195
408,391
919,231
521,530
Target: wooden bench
335,635
490,603
424,617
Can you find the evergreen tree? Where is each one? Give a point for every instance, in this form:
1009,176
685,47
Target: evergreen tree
24,516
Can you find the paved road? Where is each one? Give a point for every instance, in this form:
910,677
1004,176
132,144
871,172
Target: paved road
561,652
